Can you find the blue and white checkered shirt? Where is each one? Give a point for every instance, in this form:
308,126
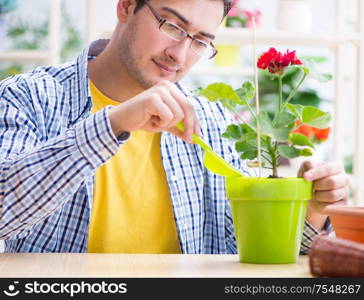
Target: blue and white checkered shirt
51,146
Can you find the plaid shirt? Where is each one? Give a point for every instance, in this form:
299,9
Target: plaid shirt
51,146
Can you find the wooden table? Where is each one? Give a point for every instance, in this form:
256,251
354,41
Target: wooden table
141,265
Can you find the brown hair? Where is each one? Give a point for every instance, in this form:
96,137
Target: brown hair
227,5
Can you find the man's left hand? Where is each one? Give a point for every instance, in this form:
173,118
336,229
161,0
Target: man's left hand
330,186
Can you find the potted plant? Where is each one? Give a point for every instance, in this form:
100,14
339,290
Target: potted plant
5,7
307,95
269,213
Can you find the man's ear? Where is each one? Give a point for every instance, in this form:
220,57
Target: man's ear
125,9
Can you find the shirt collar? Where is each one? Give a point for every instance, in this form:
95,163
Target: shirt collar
85,103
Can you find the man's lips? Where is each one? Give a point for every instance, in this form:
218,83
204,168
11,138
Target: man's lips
166,68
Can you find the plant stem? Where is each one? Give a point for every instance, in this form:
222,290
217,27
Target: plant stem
274,160
280,102
293,92
251,110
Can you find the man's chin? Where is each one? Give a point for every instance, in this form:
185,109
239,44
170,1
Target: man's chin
147,82
158,79
173,78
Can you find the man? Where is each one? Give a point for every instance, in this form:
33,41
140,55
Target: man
72,179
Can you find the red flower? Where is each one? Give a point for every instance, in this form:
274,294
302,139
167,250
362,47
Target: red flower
305,130
276,61
312,132
321,134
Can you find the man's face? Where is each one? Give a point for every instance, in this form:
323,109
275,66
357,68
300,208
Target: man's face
149,56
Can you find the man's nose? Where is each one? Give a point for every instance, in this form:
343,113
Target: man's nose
178,51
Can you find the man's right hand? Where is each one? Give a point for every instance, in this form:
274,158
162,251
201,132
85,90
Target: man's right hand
157,109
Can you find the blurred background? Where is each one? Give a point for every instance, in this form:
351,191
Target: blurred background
328,32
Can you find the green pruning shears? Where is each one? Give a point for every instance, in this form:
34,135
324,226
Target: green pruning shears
211,160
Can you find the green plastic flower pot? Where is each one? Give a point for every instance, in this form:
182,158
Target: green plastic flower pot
268,216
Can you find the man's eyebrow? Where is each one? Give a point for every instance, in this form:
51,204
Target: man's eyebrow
208,35
185,21
177,14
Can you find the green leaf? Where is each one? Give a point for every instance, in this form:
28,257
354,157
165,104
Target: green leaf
300,140
245,147
249,155
237,132
310,61
303,68
293,152
223,93
288,151
265,141
250,137
216,91
280,134
246,92
233,132
284,119
322,77
315,117
306,152
307,97
296,109
246,128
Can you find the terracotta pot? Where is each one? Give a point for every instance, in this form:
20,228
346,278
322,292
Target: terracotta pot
348,222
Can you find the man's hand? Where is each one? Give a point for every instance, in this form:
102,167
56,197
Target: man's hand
157,109
330,187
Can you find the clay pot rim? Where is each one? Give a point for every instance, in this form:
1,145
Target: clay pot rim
357,211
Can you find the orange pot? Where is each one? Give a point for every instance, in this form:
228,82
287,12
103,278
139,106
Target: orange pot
348,222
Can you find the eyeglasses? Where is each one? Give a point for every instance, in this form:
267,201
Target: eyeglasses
176,33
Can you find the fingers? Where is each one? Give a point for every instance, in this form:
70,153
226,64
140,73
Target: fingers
161,114
190,121
330,186
324,170
164,110
331,182
319,207
173,105
305,166
331,196
175,131
157,109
